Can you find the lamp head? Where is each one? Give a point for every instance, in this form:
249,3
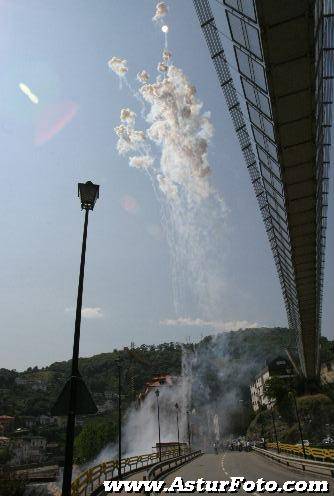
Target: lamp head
88,193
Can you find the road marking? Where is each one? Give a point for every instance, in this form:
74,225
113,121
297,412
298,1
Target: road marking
228,475
222,464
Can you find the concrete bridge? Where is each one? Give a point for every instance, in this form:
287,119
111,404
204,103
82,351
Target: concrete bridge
288,465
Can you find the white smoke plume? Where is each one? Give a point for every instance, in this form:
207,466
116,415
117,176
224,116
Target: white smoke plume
213,388
172,146
143,76
162,67
141,161
166,55
128,116
219,326
118,66
141,431
160,11
182,130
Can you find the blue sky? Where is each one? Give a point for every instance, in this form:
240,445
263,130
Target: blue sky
60,50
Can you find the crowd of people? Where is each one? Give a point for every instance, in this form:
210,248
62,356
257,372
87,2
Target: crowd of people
238,445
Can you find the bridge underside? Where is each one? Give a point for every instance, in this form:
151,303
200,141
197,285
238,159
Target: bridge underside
287,35
285,59
284,55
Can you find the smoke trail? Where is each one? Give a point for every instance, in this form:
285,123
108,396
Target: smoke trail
172,148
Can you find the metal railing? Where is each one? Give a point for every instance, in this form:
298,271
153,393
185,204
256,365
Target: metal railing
166,466
93,477
323,454
296,462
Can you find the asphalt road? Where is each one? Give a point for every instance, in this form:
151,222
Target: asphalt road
252,466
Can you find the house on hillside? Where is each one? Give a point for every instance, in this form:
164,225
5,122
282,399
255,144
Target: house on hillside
6,423
280,367
28,449
46,420
158,381
29,421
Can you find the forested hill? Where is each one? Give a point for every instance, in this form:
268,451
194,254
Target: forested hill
248,347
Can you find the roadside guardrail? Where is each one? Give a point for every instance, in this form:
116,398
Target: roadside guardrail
88,482
166,466
307,465
323,454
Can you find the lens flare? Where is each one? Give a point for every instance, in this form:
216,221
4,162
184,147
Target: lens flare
53,118
27,91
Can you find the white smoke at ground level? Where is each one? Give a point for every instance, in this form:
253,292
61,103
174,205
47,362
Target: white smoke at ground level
141,428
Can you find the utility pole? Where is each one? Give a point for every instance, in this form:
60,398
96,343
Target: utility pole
275,431
299,424
262,429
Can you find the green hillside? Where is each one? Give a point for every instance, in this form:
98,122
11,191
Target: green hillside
235,356
222,366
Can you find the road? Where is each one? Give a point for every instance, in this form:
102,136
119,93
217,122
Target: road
252,466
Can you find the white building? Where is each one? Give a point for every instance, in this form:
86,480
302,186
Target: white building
280,367
46,420
29,449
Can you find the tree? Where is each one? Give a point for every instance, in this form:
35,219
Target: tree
277,389
93,438
4,455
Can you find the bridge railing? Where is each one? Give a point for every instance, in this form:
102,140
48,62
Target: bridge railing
298,462
323,454
166,466
94,477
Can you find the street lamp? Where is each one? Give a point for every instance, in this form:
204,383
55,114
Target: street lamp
292,394
178,431
119,368
157,393
88,193
188,427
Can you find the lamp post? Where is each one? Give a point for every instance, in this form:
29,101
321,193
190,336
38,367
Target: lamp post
241,402
88,194
119,369
188,427
292,394
178,431
262,429
157,393
275,431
